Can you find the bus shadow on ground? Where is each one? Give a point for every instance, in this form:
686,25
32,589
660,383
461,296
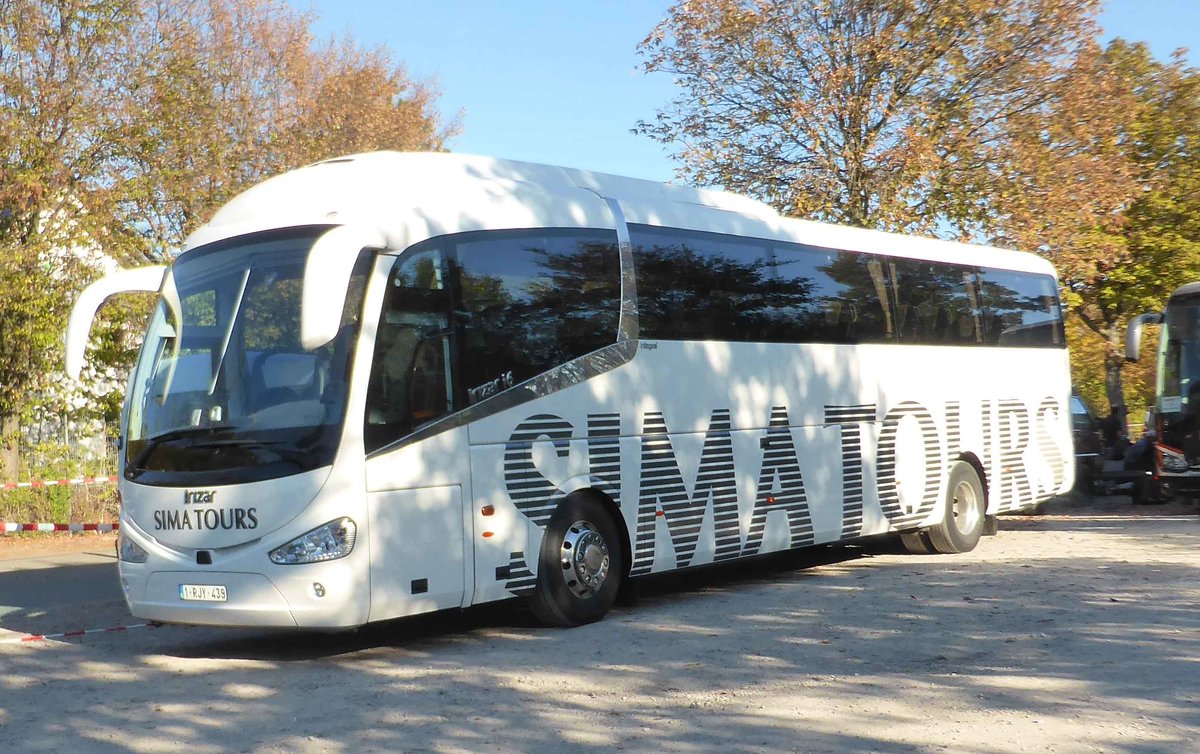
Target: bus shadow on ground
513,615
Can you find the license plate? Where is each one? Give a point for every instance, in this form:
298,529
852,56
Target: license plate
202,593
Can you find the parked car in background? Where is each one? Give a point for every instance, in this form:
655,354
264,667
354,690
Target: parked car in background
1089,445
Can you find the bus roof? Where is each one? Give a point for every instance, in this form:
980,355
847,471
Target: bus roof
411,196
1188,290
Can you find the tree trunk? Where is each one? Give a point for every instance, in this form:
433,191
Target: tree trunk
10,444
1114,362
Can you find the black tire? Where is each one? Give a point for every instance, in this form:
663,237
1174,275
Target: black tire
581,564
916,542
962,525
1148,492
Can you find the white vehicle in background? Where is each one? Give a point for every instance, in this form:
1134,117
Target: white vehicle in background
396,383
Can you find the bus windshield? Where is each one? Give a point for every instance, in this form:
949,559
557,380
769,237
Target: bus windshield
1179,356
223,392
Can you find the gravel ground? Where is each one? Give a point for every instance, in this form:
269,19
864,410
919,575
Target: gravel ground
1073,631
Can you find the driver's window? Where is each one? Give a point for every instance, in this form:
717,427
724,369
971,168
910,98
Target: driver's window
409,383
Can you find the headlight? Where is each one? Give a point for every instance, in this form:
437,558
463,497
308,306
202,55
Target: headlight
327,542
130,551
1173,460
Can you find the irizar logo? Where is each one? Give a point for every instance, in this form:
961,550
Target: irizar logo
199,497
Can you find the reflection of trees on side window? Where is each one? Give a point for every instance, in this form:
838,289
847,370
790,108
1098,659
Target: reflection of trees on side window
422,273
687,291
936,302
531,302
468,316
697,286
708,286
200,309
855,290
1020,309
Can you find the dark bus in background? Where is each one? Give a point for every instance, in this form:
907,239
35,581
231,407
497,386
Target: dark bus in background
1175,417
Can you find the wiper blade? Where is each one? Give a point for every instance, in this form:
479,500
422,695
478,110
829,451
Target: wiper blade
179,434
281,448
175,434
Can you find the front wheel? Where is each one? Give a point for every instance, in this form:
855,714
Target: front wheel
962,525
580,566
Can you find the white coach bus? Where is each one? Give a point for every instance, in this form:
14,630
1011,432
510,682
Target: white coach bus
396,383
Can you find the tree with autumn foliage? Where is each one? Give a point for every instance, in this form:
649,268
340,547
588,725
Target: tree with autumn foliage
895,114
1157,247
233,91
54,133
125,123
1001,122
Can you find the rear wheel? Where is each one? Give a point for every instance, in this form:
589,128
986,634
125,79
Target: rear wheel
916,542
962,524
581,564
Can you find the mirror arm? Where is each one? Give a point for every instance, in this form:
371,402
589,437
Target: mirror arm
83,313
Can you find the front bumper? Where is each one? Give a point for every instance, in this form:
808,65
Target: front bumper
318,595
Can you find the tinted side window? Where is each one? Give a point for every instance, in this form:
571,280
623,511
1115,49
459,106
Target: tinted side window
827,296
701,286
936,304
410,381
531,301
709,286
1021,309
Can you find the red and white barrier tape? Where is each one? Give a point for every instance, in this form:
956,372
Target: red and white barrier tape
7,528
38,483
74,634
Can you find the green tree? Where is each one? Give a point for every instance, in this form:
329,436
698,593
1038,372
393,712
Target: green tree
55,128
1157,247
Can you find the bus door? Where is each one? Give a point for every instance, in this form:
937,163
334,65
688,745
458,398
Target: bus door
416,469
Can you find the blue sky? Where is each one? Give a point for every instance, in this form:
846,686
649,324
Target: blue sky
559,82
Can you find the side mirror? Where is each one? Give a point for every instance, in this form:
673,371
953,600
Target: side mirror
326,277
79,326
1133,334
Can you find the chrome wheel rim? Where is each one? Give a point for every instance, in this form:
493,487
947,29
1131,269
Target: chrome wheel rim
965,508
584,558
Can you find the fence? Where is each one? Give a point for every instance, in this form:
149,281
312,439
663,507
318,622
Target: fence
66,482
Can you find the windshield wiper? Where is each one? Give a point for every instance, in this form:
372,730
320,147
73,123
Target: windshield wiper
282,448
175,434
